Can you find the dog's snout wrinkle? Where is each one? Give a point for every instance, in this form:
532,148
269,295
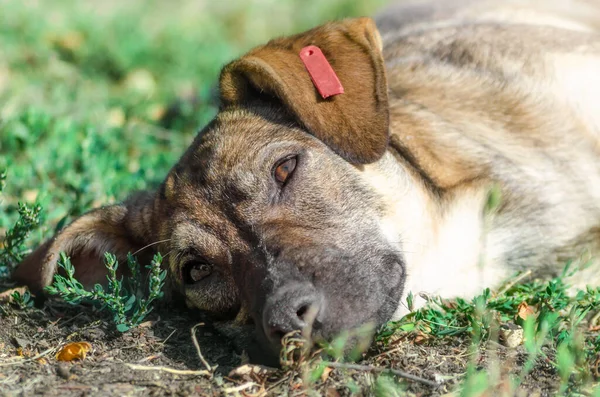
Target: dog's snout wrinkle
293,307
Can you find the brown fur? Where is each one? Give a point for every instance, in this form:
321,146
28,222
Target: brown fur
355,124
392,178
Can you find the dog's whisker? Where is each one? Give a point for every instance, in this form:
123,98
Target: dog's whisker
168,253
150,245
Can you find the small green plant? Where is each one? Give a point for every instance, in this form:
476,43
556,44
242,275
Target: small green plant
13,249
126,303
558,318
21,301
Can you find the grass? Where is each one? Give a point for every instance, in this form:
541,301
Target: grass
99,99
126,300
550,315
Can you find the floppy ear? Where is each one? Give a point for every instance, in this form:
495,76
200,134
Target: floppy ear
118,229
354,124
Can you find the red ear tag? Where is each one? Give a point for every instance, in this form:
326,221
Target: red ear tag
321,73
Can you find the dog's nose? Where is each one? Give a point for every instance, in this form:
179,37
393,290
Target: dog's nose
293,307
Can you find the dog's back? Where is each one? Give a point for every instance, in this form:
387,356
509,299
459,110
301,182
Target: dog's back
582,15
504,92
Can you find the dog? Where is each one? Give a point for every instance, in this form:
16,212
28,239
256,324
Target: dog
293,209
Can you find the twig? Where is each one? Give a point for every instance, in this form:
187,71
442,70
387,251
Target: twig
150,358
240,387
514,281
169,370
42,354
370,368
168,337
275,384
197,345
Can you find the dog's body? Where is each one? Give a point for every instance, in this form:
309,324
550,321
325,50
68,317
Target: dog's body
288,202
495,93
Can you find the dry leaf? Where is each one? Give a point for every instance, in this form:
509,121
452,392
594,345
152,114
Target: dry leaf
325,374
146,324
421,338
73,351
524,311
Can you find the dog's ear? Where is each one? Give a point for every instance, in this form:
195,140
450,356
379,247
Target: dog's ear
118,229
354,124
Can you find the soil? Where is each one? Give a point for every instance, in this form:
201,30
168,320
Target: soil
30,338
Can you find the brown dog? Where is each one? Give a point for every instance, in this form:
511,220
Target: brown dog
288,203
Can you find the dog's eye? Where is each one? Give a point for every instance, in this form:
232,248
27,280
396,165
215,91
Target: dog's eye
195,271
284,169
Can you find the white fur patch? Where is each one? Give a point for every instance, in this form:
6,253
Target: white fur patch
577,81
442,247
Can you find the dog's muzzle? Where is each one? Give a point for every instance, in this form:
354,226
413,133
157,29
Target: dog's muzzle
295,306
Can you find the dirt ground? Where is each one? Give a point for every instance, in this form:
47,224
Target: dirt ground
129,364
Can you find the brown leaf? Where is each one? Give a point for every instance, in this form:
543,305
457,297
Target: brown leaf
73,351
524,311
325,374
147,324
421,338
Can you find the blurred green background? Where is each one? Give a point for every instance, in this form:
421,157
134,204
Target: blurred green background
100,98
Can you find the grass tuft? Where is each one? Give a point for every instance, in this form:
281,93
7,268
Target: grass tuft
124,300
13,248
549,314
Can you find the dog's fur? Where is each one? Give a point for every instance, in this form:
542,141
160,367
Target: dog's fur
390,194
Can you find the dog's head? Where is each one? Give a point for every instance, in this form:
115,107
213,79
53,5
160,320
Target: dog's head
267,214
